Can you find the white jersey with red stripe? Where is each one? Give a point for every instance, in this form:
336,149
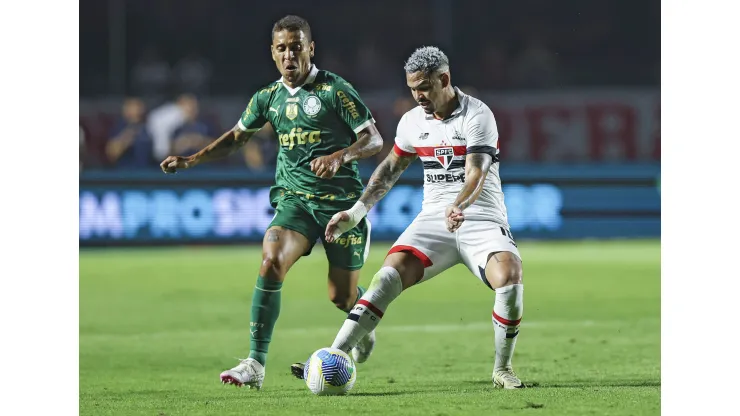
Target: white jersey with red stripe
442,146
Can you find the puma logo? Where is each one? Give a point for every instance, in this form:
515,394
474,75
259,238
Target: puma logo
253,331
272,109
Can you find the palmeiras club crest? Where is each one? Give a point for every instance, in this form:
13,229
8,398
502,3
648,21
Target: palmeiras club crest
312,105
444,155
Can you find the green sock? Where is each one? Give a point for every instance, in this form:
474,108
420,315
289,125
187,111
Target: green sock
265,311
360,291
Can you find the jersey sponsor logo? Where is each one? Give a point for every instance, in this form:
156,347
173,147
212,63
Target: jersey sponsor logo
299,137
348,104
444,155
445,177
311,105
349,241
291,111
292,100
459,137
322,87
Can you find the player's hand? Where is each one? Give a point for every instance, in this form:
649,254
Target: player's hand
453,218
339,224
327,166
173,163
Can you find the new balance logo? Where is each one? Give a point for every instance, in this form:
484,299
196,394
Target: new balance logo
423,136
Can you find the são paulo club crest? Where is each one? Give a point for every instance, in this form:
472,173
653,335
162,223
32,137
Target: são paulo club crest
444,155
311,105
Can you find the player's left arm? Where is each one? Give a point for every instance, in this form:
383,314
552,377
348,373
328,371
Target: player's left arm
369,142
481,154
350,108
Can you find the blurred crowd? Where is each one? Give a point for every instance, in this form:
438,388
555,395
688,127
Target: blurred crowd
140,138
177,51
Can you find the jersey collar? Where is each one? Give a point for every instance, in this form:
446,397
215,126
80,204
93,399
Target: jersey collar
461,101
309,79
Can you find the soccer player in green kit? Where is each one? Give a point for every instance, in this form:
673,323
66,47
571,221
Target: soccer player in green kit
323,128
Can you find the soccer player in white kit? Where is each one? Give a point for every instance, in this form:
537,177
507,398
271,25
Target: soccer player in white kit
463,216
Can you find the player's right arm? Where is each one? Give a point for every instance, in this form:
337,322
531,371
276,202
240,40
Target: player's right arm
251,121
382,180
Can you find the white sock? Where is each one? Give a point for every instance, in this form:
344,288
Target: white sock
507,314
366,314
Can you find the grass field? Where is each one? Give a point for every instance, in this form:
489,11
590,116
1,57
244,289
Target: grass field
157,326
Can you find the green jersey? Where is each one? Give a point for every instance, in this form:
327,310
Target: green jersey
315,119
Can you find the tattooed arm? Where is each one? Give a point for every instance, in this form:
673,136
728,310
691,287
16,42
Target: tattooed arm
476,168
384,177
221,147
382,180
369,142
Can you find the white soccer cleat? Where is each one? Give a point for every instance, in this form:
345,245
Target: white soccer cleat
361,352
248,373
506,379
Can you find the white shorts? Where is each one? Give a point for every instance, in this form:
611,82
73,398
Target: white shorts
427,238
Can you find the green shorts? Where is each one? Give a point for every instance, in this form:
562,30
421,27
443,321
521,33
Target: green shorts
309,218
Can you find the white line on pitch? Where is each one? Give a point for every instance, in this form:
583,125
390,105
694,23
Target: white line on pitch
478,326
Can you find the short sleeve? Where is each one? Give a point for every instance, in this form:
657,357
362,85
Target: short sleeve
482,134
403,145
253,117
350,107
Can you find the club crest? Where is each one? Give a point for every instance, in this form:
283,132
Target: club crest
311,105
444,155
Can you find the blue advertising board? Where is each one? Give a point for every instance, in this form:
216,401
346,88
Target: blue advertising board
544,202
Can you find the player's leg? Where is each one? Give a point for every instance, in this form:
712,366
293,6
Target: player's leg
424,250
346,257
504,273
281,248
344,291
285,241
491,253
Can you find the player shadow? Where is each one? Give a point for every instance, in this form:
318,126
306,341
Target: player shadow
583,383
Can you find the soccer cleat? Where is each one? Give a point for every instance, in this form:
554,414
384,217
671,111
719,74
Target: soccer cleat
297,370
249,372
361,352
506,379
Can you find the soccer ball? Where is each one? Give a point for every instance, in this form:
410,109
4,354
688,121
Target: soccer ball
329,372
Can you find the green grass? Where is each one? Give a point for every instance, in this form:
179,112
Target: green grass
157,326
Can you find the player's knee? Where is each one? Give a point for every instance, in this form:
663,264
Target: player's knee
504,270
272,265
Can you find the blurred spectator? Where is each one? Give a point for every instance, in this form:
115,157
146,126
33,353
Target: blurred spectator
261,150
194,133
163,121
150,75
130,145
193,73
